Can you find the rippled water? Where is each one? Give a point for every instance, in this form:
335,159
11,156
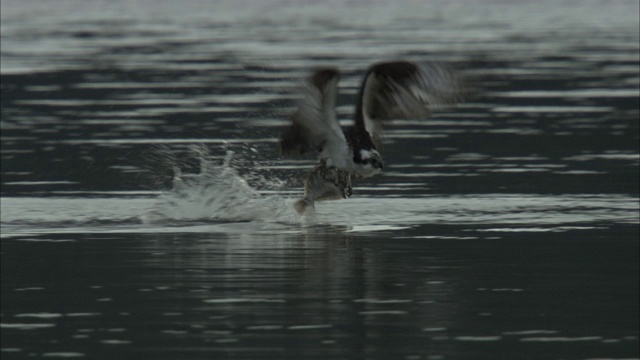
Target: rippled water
146,213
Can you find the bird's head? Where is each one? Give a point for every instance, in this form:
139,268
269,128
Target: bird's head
370,160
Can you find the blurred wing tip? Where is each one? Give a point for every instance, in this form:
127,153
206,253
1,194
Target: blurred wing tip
321,77
407,90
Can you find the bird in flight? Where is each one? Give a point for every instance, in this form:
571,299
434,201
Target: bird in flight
389,90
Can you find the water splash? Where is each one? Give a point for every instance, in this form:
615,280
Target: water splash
217,193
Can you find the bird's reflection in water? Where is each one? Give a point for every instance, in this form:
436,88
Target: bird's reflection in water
323,275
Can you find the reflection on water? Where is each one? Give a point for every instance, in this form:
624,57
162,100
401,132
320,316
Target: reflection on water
146,214
341,294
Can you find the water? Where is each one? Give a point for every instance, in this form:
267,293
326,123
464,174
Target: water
146,214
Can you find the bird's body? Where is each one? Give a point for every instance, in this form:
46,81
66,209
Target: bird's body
390,90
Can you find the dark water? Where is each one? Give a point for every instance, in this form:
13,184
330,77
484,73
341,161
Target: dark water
146,214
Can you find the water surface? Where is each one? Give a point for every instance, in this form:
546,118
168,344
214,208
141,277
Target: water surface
146,213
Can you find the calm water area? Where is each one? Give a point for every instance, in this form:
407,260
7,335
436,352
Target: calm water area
146,213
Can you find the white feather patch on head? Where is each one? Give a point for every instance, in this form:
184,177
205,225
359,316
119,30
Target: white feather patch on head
368,154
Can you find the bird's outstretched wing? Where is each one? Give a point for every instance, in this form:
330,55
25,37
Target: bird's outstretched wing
313,125
404,90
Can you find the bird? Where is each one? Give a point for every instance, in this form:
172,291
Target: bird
389,90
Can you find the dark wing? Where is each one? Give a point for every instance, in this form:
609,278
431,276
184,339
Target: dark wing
404,90
314,126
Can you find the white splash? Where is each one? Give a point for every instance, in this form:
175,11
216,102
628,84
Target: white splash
217,193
